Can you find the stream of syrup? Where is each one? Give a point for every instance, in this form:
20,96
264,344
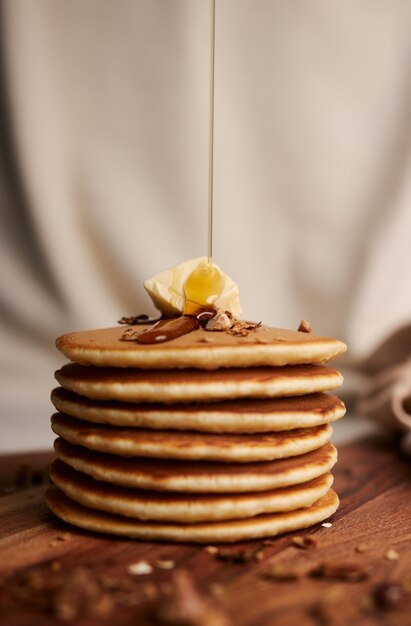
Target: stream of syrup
206,282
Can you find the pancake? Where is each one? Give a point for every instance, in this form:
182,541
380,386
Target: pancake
236,416
199,349
133,385
197,476
267,525
188,508
168,444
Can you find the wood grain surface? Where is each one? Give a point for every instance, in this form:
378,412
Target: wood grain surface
51,573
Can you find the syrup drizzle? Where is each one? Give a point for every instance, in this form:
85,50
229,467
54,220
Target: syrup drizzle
206,282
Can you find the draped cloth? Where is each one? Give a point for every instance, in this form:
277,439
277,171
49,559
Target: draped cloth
103,170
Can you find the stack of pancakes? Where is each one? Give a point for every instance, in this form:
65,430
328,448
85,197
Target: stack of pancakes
209,437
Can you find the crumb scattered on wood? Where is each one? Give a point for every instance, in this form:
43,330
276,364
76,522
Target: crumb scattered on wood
305,542
325,609
165,564
239,556
335,570
283,571
184,605
140,568
362,547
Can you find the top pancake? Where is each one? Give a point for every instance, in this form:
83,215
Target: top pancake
199,349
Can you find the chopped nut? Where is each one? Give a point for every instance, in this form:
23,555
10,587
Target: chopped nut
392,555
362,547
367,602
324,609
185,606
239,556
390,596
351,572
304,327
217,590
140,568
220,321
81,594
326,525
71,593
282,572
308,541
242,329
211,549
130,335
165,564
150,591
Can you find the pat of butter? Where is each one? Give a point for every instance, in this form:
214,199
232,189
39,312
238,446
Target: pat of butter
166,289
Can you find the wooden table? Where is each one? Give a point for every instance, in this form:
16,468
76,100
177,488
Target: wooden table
43,561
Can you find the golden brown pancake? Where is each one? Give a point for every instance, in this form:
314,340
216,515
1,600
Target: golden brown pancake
267,525
170,386
236,416
197,476
187,508
168,444
200,349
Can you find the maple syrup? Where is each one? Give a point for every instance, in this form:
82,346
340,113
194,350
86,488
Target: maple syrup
201,288
206,282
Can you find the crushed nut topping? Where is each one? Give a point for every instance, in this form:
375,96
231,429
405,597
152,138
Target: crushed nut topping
130,335
392,555
242,329
220,321
304,327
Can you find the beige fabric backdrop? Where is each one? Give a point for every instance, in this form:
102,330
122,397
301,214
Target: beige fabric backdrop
108,104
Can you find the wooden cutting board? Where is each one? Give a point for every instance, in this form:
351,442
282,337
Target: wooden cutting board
48,569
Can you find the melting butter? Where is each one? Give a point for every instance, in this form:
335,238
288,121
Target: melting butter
193,284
